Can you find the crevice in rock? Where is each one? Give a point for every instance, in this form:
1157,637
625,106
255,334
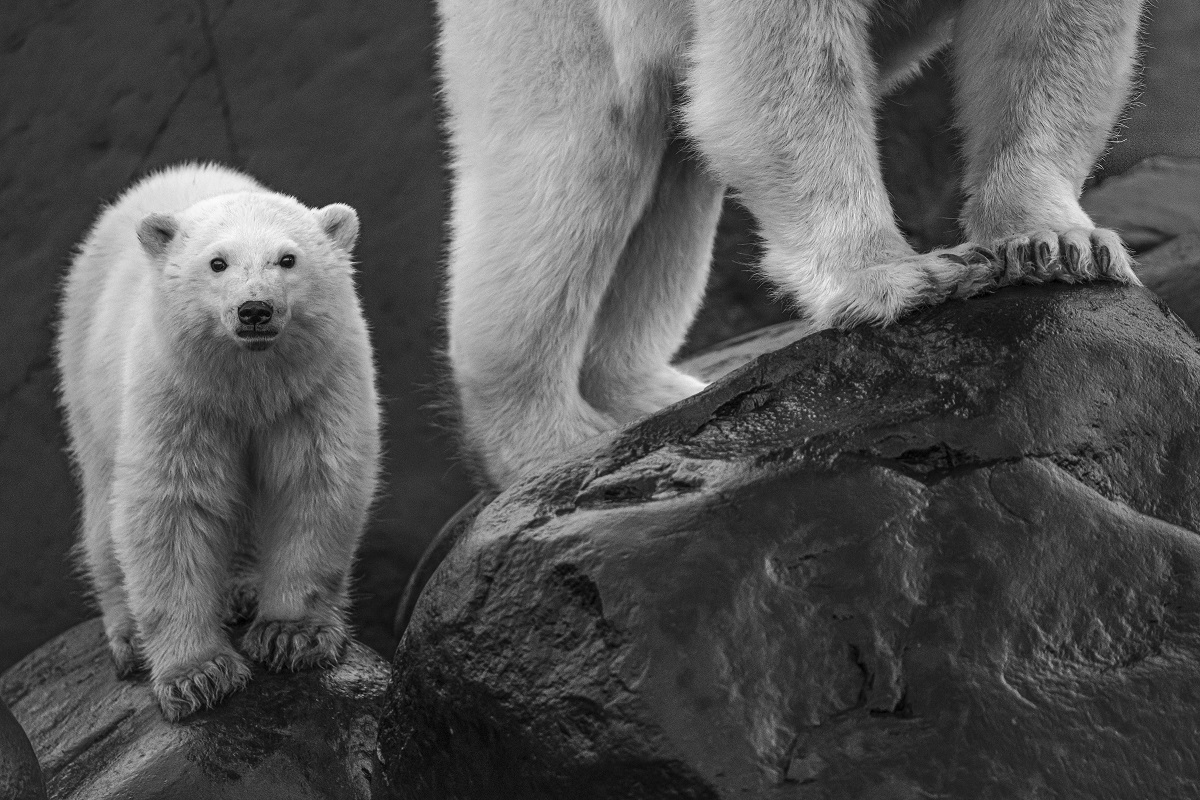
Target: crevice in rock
39,364
901,710
868,677
222,87
658,482
581,588
87,743
751,401
170,115
934,464
1084,465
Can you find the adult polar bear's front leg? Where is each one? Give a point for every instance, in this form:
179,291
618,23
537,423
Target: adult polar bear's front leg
782,104
1040,86
557,131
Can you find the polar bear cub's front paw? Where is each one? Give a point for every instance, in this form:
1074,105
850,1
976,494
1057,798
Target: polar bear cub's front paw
295,644
186,688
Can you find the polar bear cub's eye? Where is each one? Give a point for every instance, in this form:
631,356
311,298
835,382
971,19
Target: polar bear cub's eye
218,265
288,261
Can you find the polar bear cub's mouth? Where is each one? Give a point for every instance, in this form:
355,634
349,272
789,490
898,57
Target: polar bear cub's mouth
256,337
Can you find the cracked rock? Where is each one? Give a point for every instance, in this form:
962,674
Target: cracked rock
956,557
295,735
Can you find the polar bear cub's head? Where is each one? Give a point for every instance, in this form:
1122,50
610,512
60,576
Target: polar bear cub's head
249,266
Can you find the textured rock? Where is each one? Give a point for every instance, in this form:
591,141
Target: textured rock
952,558
20,775
1151,203
290,736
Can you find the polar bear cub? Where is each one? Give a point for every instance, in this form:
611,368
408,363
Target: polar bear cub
220,401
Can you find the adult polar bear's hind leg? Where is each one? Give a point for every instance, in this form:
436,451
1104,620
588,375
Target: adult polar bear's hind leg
558,117
654,295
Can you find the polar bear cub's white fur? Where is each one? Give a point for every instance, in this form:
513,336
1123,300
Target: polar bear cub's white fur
582,227
220,399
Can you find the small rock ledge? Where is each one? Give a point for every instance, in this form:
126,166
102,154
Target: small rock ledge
284,737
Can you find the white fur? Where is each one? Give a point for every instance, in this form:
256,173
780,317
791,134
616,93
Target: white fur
210,469
581,234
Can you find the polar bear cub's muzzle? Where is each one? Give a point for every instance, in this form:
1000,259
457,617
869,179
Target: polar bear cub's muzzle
255,328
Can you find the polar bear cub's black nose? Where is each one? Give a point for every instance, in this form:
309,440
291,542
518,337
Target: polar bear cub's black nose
255,312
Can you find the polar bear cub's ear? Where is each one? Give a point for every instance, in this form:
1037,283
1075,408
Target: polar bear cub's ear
340,223
155,232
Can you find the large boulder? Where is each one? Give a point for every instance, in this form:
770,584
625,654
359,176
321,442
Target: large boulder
284,737
956,557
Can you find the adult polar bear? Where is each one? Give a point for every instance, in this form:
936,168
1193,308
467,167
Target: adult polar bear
582,233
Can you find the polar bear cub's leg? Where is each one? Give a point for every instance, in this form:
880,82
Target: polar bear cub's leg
557,132
782,104
654,295
1039,88
175,500
316,476
105,573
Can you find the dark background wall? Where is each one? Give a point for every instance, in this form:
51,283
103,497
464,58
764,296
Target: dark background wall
330,101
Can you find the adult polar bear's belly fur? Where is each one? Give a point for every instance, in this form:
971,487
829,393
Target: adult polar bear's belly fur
592,142
220,401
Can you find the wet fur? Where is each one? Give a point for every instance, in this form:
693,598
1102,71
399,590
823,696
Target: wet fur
582,230
217,479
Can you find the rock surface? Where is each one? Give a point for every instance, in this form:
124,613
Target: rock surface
953,558
1172,271
290,736
1152,203
20,775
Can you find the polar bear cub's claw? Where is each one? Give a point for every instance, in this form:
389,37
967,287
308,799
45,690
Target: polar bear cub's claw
295,644
193,686
126,655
